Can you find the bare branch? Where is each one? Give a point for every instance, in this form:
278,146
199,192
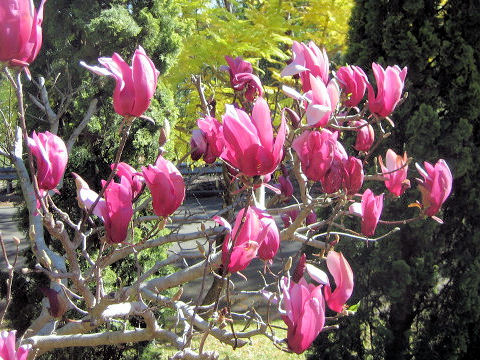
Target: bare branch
92,109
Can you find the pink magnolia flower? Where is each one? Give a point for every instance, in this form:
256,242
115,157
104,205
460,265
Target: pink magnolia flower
435,186
308,59
20,31
166,186
289,217
257,236
323,103
353,82
395,173
115,209
285,186
316,150
8,349
390,84
208,140
333,179
343,277
51,158
249,143
134,178
198,144
304,308
370,210
365,135
241,77
352,175
135,85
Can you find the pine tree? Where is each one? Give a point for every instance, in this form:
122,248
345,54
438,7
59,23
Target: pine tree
419,290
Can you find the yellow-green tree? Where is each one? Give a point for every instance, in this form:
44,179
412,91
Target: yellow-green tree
261,31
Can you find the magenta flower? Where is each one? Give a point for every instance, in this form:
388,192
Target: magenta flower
51,158
8,349
323,103
353,82
198,144
256,236
134,178
115,209
308,59
343,277
208,140
390,84
249,143
435,186
135,85
304,308
285,186
289,217
20,31
365,135
395,173
166,186
352,175
371,209
316,150
333,179
241,77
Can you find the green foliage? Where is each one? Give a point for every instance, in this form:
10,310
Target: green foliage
419,290
260,31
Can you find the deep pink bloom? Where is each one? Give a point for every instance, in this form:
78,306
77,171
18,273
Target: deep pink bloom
135,85
316,150
365,135
371,209
308,59
435,186
343,277
395,173
289,217
285,186
20,31
208,140
390,84
8,349
353,175
166,186
311,218
51,157
134,178
304,308
117,210
323,103
241,77
333,179
257,236
249,143
353,82
198,144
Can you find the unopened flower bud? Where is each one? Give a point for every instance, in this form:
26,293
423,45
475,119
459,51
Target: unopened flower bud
164,133
201,248
288,264
16,240
178,294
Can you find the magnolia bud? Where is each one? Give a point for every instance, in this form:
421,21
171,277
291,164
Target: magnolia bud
178,294
201,248
288,264
164,133
16,240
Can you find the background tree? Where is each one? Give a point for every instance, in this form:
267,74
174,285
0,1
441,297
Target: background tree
425,303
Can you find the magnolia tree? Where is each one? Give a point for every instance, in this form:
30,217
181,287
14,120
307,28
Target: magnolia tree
325,109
